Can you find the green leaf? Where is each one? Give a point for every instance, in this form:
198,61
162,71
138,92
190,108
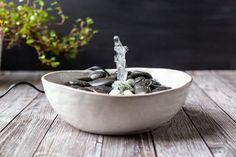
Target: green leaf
89,21
45,38
5,30
11,4
53,18
49,9
54,3
23,36
53,33
19,7
30,41
42,57
55,64
41,3
95,31
52,59
72,38
78,20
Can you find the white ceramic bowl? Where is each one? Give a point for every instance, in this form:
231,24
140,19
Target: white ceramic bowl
105,114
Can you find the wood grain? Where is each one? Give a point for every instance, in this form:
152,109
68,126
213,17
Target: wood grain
62,140
223,94
128,146
23,135
215,126
179,139
17,99
227,76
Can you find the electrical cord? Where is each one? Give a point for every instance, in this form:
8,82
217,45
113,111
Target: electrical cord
18,84
39,90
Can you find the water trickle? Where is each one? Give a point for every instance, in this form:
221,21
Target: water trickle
120,59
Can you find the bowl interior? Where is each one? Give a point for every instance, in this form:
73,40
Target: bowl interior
167,77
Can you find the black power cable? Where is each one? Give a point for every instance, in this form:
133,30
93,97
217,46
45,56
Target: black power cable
21,83
39,90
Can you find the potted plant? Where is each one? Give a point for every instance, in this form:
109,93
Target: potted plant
30,22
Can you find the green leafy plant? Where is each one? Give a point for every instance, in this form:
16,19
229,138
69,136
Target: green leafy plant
30,23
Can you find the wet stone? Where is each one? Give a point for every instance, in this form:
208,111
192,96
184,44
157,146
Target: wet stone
138,79
84,78
143,86
136,74
99,89
113,76
154,85
78,83
161,88
146,82
102,81
97,74
138,89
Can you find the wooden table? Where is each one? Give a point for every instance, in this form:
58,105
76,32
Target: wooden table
204,127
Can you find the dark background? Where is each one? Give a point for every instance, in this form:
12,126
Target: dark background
183,34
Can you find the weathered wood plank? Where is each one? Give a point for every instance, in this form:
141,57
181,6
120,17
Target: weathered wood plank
62,140
23,135
215,126
7,78
223,94
228,76
17,99
179,139
130,146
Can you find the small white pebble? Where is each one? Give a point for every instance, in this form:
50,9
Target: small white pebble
115,92
128,92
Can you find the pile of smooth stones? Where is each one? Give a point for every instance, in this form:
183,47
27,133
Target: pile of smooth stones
100,81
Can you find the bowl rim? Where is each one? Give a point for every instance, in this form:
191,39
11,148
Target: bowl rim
43,79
